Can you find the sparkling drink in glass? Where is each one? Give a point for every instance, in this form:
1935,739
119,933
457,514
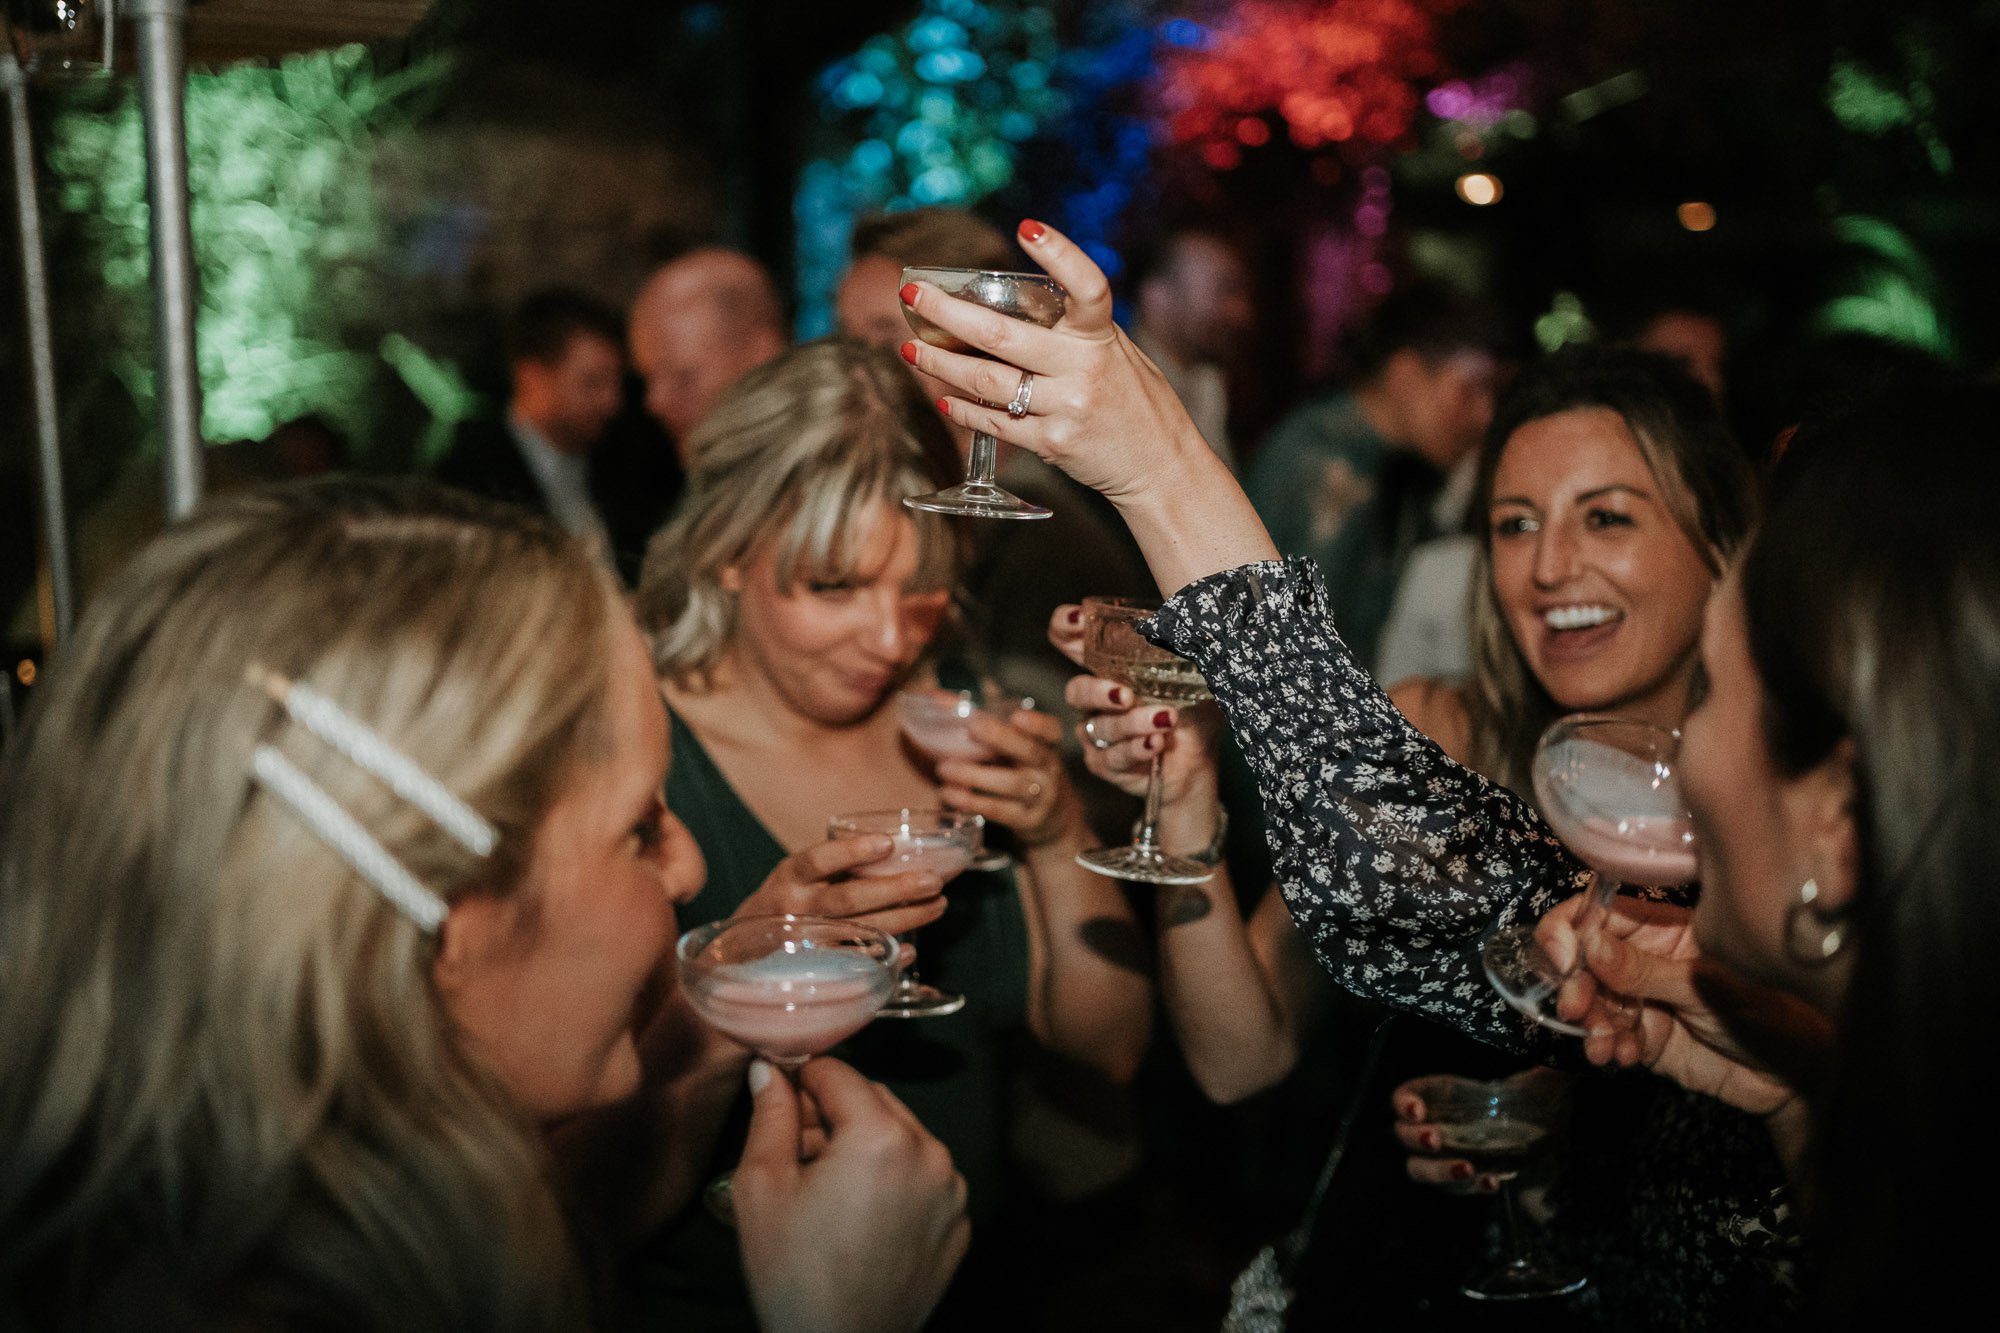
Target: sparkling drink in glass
1114,649
1034,297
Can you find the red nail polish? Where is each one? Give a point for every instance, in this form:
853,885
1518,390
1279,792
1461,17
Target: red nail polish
909,351
1163,718
1076,615
1461,1170
909,293
944,407
1032,231
1117,696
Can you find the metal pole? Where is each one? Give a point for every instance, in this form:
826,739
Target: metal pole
41,345
160,27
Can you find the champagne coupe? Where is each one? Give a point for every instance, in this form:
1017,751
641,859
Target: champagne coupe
1035,297
788,987
943,842
1501,1127
1608,788
939,722
1114,649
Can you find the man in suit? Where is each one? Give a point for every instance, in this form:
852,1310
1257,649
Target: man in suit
565,363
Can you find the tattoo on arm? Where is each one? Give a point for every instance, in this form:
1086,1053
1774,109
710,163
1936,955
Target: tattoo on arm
1189,904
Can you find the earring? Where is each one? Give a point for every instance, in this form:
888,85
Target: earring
1813,934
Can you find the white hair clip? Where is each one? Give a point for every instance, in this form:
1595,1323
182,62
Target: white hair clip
354,844
337,727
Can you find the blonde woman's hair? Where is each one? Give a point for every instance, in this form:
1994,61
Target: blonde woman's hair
1705,481
795,453
228,1088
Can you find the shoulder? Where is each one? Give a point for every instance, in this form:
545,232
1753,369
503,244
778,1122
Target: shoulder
1436,708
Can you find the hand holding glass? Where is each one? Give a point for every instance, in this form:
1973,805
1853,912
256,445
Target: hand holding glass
939,723
1500,1127
1034,297
1114,649
788,987
1608,788
943,842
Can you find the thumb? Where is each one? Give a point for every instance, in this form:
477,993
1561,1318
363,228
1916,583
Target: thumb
773,1142
1633,972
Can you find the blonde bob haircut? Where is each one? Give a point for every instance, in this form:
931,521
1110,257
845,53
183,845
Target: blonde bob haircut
799,452
229,1091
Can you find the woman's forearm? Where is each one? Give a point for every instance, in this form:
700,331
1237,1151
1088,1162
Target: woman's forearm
1090,994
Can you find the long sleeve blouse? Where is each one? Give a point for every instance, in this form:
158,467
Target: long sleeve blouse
1395,862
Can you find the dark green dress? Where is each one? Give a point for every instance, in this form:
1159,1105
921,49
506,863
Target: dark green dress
952,1072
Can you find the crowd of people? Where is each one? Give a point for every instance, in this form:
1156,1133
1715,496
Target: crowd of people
344,847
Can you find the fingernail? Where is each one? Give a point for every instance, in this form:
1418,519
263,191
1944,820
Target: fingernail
1461,1170
1032,231
909,293
1118,696
760,1075
1429,1138
930,882
909,351
1155,743
1163,718
1076,615
944,407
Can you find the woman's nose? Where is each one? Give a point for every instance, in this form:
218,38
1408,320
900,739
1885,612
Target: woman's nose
1555,555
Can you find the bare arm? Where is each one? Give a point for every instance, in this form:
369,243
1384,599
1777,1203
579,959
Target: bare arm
1089,995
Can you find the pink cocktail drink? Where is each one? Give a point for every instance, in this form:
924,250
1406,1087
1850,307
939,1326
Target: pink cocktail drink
943,854
789,1007
1619,812
939,722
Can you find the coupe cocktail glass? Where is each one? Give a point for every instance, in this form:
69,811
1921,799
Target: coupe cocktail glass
939,722
1500,1127
1114,649
943,842
1034,297
1608,788
788,987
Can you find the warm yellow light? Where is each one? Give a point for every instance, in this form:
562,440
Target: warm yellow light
25,671
1480,188
1696,215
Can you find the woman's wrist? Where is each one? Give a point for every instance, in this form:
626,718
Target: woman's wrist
1192,519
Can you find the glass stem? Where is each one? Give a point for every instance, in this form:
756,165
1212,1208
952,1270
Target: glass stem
981,467
1146,841
1517,1251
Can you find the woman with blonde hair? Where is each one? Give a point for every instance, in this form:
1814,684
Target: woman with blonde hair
332,868
790,599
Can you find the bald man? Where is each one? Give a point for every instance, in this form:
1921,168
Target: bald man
699,324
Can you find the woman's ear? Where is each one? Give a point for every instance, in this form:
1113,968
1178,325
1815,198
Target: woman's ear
471,933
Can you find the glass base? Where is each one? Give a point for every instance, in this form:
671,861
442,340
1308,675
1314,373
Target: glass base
990,861
1523,1280
913,999
1147,867
976,499
1525,976
720,1200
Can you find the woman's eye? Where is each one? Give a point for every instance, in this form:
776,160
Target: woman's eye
1599,519
650,832
1513,525
830,587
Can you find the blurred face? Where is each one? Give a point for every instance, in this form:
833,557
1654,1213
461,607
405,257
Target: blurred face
544,981
1695,340
831,651
572,399
1600,588
1446,404
688,361
1761,832
867,305
1207,299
